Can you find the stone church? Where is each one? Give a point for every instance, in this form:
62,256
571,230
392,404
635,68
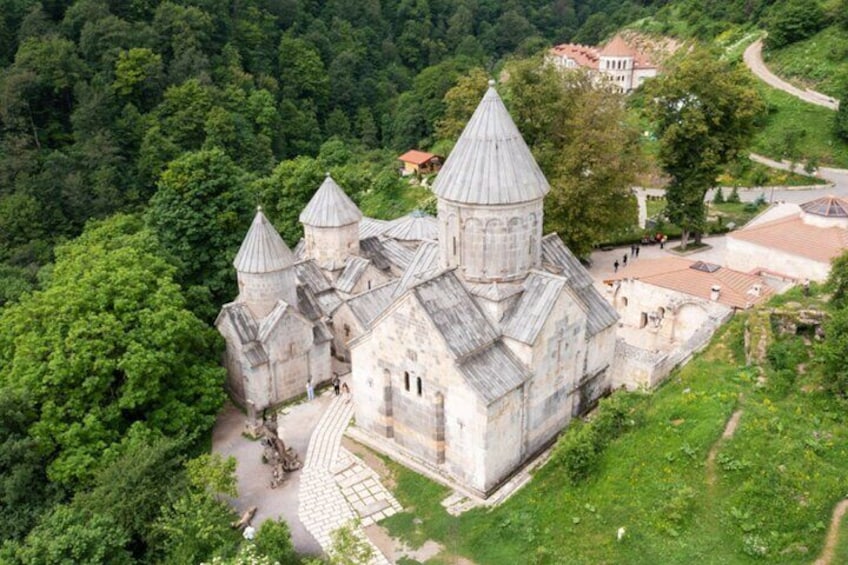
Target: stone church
472,338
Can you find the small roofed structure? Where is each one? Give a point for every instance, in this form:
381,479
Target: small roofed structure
330,226
420,162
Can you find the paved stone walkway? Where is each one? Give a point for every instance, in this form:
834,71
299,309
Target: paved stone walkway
336,487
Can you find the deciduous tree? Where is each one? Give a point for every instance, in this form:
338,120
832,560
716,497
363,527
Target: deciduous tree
704,110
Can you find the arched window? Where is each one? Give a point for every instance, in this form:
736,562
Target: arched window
406,381
418,385
643,320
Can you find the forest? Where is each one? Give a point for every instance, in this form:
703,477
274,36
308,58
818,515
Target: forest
136,139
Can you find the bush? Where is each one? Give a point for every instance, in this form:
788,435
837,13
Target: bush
793,20
274,541
579,448
719,196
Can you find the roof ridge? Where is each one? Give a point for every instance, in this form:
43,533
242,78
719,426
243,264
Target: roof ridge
330,207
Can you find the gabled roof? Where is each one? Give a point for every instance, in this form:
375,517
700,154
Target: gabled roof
330,207
827,206
425,262
371,227
263,250
600,314
491,163
415,226
559,259
354,268
242,320
416,157
386,253
793,236
455,315
370,304
676,274
534,307
311,275
494,371
583,55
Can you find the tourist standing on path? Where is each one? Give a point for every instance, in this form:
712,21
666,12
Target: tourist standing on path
336,383
310,389
637,251
624,261
346,391
615,266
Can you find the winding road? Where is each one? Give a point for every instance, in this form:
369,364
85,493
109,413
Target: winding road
753,57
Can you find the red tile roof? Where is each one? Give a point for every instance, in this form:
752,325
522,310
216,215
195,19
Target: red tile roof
583,55
617,47
677,274
791,235
416,157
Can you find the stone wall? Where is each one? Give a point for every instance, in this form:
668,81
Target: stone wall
742,255
331,246
261,291
490,243
405,347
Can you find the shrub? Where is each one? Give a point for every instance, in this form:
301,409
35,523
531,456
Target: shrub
719,196
274,540
793,20
734,196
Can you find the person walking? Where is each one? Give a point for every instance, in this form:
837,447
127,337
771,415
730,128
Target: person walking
637,251
624,261
310,389
615,266
346,391
336,384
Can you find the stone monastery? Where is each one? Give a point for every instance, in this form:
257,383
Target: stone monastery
472,339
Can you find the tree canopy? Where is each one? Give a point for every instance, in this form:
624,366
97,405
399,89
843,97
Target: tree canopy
108,343
705,110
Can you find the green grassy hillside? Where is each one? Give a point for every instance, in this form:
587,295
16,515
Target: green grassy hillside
819,63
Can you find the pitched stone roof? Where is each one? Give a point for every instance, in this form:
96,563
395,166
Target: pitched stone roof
600,314
370,304
675,273
490,163
827,206
330,207
425,262
310,274
415,226
494,371
371,227
455,314
263,250
559,259
354,268
792,235
534,307
247,331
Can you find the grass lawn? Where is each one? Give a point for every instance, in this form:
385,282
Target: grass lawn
775,482
819,63
795,128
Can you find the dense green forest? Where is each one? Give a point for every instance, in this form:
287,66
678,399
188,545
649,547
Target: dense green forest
136,138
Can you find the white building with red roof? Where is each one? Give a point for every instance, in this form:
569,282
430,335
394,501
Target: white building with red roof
618,61
791,240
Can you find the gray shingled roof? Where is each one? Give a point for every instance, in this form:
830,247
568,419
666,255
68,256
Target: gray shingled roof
263,250
355,267
424,262
307,304
415,226
329,301
493,372
397,253
455,314
368,305
241,319
563,261
370,227
599,313
310,274
330,207
534,307
490,163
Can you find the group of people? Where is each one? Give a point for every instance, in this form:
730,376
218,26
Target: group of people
634,253
338,388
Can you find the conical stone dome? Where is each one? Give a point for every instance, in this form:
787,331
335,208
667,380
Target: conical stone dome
330,207
491,163
263,250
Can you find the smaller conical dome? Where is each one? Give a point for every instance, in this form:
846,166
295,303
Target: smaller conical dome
415,226
330,207
263,250
617,47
